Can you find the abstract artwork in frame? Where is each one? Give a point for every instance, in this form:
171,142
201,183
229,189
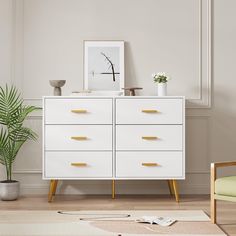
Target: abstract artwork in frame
104,65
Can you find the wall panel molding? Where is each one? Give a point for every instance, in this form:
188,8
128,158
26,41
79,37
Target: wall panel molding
203,100
83,188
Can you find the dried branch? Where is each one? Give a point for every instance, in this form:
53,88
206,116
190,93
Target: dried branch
111,66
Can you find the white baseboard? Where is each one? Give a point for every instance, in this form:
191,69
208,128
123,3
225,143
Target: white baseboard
127,188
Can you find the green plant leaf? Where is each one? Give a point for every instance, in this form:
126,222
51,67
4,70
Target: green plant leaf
13,134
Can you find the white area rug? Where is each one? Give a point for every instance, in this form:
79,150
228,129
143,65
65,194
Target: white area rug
51,223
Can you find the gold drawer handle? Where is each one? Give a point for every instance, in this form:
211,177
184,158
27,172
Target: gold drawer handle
150,164
149,137
79,111
79,138
150,111
79,164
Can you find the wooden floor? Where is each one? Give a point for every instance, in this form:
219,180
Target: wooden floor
226,211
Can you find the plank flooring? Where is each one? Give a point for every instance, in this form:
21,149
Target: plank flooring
226,211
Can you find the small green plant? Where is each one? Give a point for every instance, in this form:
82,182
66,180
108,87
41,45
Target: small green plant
160,77
13,134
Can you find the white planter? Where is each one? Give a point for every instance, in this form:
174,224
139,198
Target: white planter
162,89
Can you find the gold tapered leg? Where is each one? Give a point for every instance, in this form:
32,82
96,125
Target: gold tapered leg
113,189
52,189
55,187
170,185
50,193
175,187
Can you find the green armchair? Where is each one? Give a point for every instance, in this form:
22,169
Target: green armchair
221,188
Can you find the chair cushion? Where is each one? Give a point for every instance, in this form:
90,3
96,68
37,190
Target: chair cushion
226,186
225,198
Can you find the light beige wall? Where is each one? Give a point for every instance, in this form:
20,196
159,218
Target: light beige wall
5,47
223,113
160,35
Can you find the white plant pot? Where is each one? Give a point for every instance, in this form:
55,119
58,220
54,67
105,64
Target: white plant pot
162,89
9,191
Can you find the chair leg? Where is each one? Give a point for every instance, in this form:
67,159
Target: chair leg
175,187
213,200
213,210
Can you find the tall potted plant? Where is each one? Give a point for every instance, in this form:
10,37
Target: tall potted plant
13,134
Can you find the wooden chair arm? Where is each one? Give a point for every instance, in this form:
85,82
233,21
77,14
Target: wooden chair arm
223,164
214,167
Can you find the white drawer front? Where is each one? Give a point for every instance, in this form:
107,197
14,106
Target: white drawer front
78,111
149,111
149,137
60,165
78,137
149,165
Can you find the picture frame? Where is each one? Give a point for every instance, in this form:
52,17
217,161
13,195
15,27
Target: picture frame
103,65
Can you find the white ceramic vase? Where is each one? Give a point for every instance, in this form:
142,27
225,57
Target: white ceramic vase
162,89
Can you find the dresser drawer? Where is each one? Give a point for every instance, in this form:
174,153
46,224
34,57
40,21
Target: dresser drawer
149,111
149,137
78,111
61,165
78,137
164,165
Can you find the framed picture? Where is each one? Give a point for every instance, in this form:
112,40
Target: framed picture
103,65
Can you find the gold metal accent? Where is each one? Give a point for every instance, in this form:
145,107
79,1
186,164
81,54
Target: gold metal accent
79,138
150,111
150,164
52,190
113,189
176,191
171,188
79,164
79,111
149,137
55,187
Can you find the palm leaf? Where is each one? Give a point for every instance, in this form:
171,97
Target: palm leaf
10,103
22,134
4,146
25,111
13,134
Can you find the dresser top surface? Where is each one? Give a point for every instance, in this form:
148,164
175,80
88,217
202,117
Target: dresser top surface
115,97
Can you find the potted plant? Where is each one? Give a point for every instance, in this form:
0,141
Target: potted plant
13,134
161,79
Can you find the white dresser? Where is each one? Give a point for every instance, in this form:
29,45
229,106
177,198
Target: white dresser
113,138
